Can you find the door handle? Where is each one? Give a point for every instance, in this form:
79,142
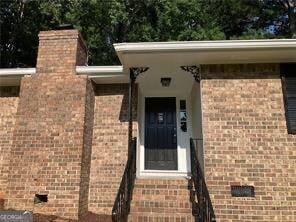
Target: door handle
175,136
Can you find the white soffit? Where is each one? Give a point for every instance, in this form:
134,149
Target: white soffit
206,52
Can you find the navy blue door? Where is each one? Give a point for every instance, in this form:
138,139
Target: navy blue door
160,134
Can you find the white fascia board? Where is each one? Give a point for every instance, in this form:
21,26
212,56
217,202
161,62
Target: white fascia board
103,74
97,73
89,70
99,70
93,70
204,45
17,71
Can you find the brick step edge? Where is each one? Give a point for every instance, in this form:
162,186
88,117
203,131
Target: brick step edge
164,204
144,217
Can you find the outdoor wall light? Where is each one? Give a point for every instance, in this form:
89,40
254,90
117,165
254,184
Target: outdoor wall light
165,82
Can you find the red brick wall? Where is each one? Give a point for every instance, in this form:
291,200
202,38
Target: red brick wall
246,143
109,149
87,148
60,51
47,144
51,143
8,108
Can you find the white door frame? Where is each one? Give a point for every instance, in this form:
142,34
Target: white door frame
183,144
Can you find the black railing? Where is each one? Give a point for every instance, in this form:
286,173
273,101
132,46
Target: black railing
121,207
202,207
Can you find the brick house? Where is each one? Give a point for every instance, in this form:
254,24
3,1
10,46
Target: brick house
181,131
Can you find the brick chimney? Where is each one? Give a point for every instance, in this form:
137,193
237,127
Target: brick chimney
60,51
51,146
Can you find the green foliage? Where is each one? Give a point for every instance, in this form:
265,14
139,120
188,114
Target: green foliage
104,22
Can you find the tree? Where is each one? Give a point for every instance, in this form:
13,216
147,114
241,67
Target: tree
285,16
20,23
104,22
290,7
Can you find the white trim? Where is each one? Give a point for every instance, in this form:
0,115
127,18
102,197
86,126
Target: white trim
103,74
98,70
100,74
17,71
183,157
163,174
206,52
180,46
92,71
202,124
204,45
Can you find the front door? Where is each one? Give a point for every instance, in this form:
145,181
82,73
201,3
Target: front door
160,134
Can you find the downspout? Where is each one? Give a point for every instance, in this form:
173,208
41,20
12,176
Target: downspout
130,108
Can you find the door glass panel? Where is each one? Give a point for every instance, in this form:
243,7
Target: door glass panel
160,118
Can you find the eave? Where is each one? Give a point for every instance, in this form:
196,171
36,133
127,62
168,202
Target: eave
174,55
99,74
104,74
207,52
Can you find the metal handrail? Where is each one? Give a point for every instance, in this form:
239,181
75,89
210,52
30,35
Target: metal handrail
121,207
202,207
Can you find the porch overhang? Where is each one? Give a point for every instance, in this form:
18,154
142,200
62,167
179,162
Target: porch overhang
206,52
172,55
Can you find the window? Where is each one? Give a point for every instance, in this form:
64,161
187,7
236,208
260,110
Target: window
288,72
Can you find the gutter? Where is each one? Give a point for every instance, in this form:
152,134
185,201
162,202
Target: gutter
17,72
204,45
204,48
99,70
91,71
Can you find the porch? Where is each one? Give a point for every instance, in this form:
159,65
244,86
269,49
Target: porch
169,114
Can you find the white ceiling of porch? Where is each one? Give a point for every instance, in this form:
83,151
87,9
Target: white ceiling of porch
150,84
